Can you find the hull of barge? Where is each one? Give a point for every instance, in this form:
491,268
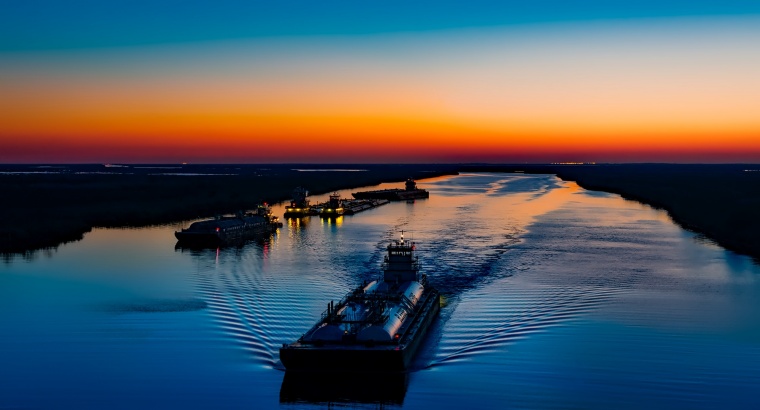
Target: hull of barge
363,357
214,239
392,194
359,205
198,240
300,214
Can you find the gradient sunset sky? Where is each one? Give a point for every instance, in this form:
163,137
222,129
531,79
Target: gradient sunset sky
362,81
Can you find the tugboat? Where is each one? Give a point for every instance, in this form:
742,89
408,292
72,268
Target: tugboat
410,191
225,230
377,327
332,208
299,206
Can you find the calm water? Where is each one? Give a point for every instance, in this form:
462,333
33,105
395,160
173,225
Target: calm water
555,297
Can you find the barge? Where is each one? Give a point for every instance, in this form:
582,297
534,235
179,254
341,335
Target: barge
336,206
355,206
378,327
225,230
409,192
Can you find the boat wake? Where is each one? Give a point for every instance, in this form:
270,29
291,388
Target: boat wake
491,269
243,301
487,248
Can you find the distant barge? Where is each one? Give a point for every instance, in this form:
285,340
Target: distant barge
336,206
378,327
300,206
358,205
225,230
409,192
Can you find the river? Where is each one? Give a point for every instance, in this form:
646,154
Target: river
554,297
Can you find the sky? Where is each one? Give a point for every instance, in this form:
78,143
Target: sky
351,82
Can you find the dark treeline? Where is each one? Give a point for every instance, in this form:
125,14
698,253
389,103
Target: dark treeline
44,207
43,210
722,202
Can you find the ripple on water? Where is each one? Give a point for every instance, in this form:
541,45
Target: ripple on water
257,309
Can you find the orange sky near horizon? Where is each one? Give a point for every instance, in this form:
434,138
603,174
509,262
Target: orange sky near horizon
493,97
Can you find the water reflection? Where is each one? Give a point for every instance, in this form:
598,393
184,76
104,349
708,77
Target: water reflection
299,223
262,240
337,388
332,221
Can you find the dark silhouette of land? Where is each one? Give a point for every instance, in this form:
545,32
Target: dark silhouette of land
43,210
43,207
721,201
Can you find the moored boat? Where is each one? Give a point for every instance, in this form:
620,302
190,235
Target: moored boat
377,327
224,230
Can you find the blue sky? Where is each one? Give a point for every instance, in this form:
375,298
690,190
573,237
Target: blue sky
550,81
55,24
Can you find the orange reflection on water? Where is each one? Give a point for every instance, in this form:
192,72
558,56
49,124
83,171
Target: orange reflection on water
512,202
331,221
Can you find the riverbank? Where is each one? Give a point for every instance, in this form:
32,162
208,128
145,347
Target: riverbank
45,206
718,201
48,206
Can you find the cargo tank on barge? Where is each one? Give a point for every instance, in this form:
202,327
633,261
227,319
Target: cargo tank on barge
409,192
378,327
226,230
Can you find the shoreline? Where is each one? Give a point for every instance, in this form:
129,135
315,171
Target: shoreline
45,211
720,201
